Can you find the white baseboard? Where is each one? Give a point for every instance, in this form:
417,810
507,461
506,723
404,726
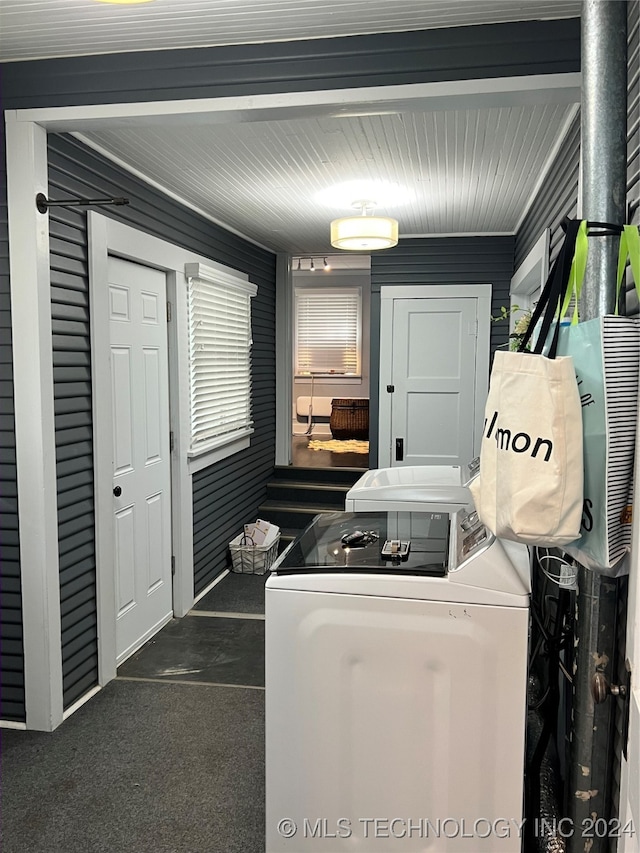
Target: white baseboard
318,430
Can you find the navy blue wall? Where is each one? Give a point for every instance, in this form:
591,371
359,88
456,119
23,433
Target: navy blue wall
459,53
225,494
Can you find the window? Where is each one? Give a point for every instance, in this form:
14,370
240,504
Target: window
219,315
327,333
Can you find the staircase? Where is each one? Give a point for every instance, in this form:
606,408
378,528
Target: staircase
296,495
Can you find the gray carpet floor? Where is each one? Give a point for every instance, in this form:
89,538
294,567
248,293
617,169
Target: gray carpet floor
205,649
151,764
238,593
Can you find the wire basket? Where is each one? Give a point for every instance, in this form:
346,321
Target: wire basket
249,559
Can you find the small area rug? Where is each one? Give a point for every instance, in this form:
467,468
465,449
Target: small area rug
351,445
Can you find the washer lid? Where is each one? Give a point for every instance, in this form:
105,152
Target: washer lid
410,475
396,543
418,484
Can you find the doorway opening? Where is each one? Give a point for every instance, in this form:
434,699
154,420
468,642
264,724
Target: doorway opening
331,304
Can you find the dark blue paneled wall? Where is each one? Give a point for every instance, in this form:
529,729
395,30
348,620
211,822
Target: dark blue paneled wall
223,494
385,59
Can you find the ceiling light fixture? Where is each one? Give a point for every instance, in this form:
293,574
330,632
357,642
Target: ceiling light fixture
327,266
364,232
311,266
298,267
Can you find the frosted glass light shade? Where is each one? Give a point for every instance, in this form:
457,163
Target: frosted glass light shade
364,233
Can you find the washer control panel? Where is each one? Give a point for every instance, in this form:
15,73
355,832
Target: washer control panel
472,535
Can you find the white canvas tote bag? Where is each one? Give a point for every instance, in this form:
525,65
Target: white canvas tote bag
530,483
530,486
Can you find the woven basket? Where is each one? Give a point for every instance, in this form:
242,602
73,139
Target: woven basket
349,418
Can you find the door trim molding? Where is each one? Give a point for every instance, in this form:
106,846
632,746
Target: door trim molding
530,276
481,292
102,415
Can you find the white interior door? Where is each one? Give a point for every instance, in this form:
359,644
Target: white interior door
433,372
141,462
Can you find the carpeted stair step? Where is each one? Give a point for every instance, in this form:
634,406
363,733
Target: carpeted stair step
290,515
287,535
332,476
329,494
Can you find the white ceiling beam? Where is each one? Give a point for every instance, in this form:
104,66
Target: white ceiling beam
376,100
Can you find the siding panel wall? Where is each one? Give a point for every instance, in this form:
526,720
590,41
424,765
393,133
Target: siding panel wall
448,260
11,650
74,441
558,197
458,53
224,495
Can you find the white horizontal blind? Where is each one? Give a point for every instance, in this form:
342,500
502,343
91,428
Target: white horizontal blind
219,360
327,338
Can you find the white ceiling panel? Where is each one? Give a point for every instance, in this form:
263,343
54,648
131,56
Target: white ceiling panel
51,28
461,171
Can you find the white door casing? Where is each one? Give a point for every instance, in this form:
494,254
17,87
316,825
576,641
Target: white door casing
528,280
434,353
141,462
630,770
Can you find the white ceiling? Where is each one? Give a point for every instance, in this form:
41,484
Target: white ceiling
48,28
470,165
460,170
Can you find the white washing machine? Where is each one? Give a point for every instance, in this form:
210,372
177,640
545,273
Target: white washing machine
413,486
395,687
443,487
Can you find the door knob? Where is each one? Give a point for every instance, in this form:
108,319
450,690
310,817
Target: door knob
117,491
601,688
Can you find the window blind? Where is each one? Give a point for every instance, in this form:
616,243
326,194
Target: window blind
327,337
219,360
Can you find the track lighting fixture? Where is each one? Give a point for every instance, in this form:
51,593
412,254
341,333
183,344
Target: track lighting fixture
311,264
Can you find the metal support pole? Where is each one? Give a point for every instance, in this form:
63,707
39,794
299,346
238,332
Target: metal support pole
591,753
603,152
603,170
